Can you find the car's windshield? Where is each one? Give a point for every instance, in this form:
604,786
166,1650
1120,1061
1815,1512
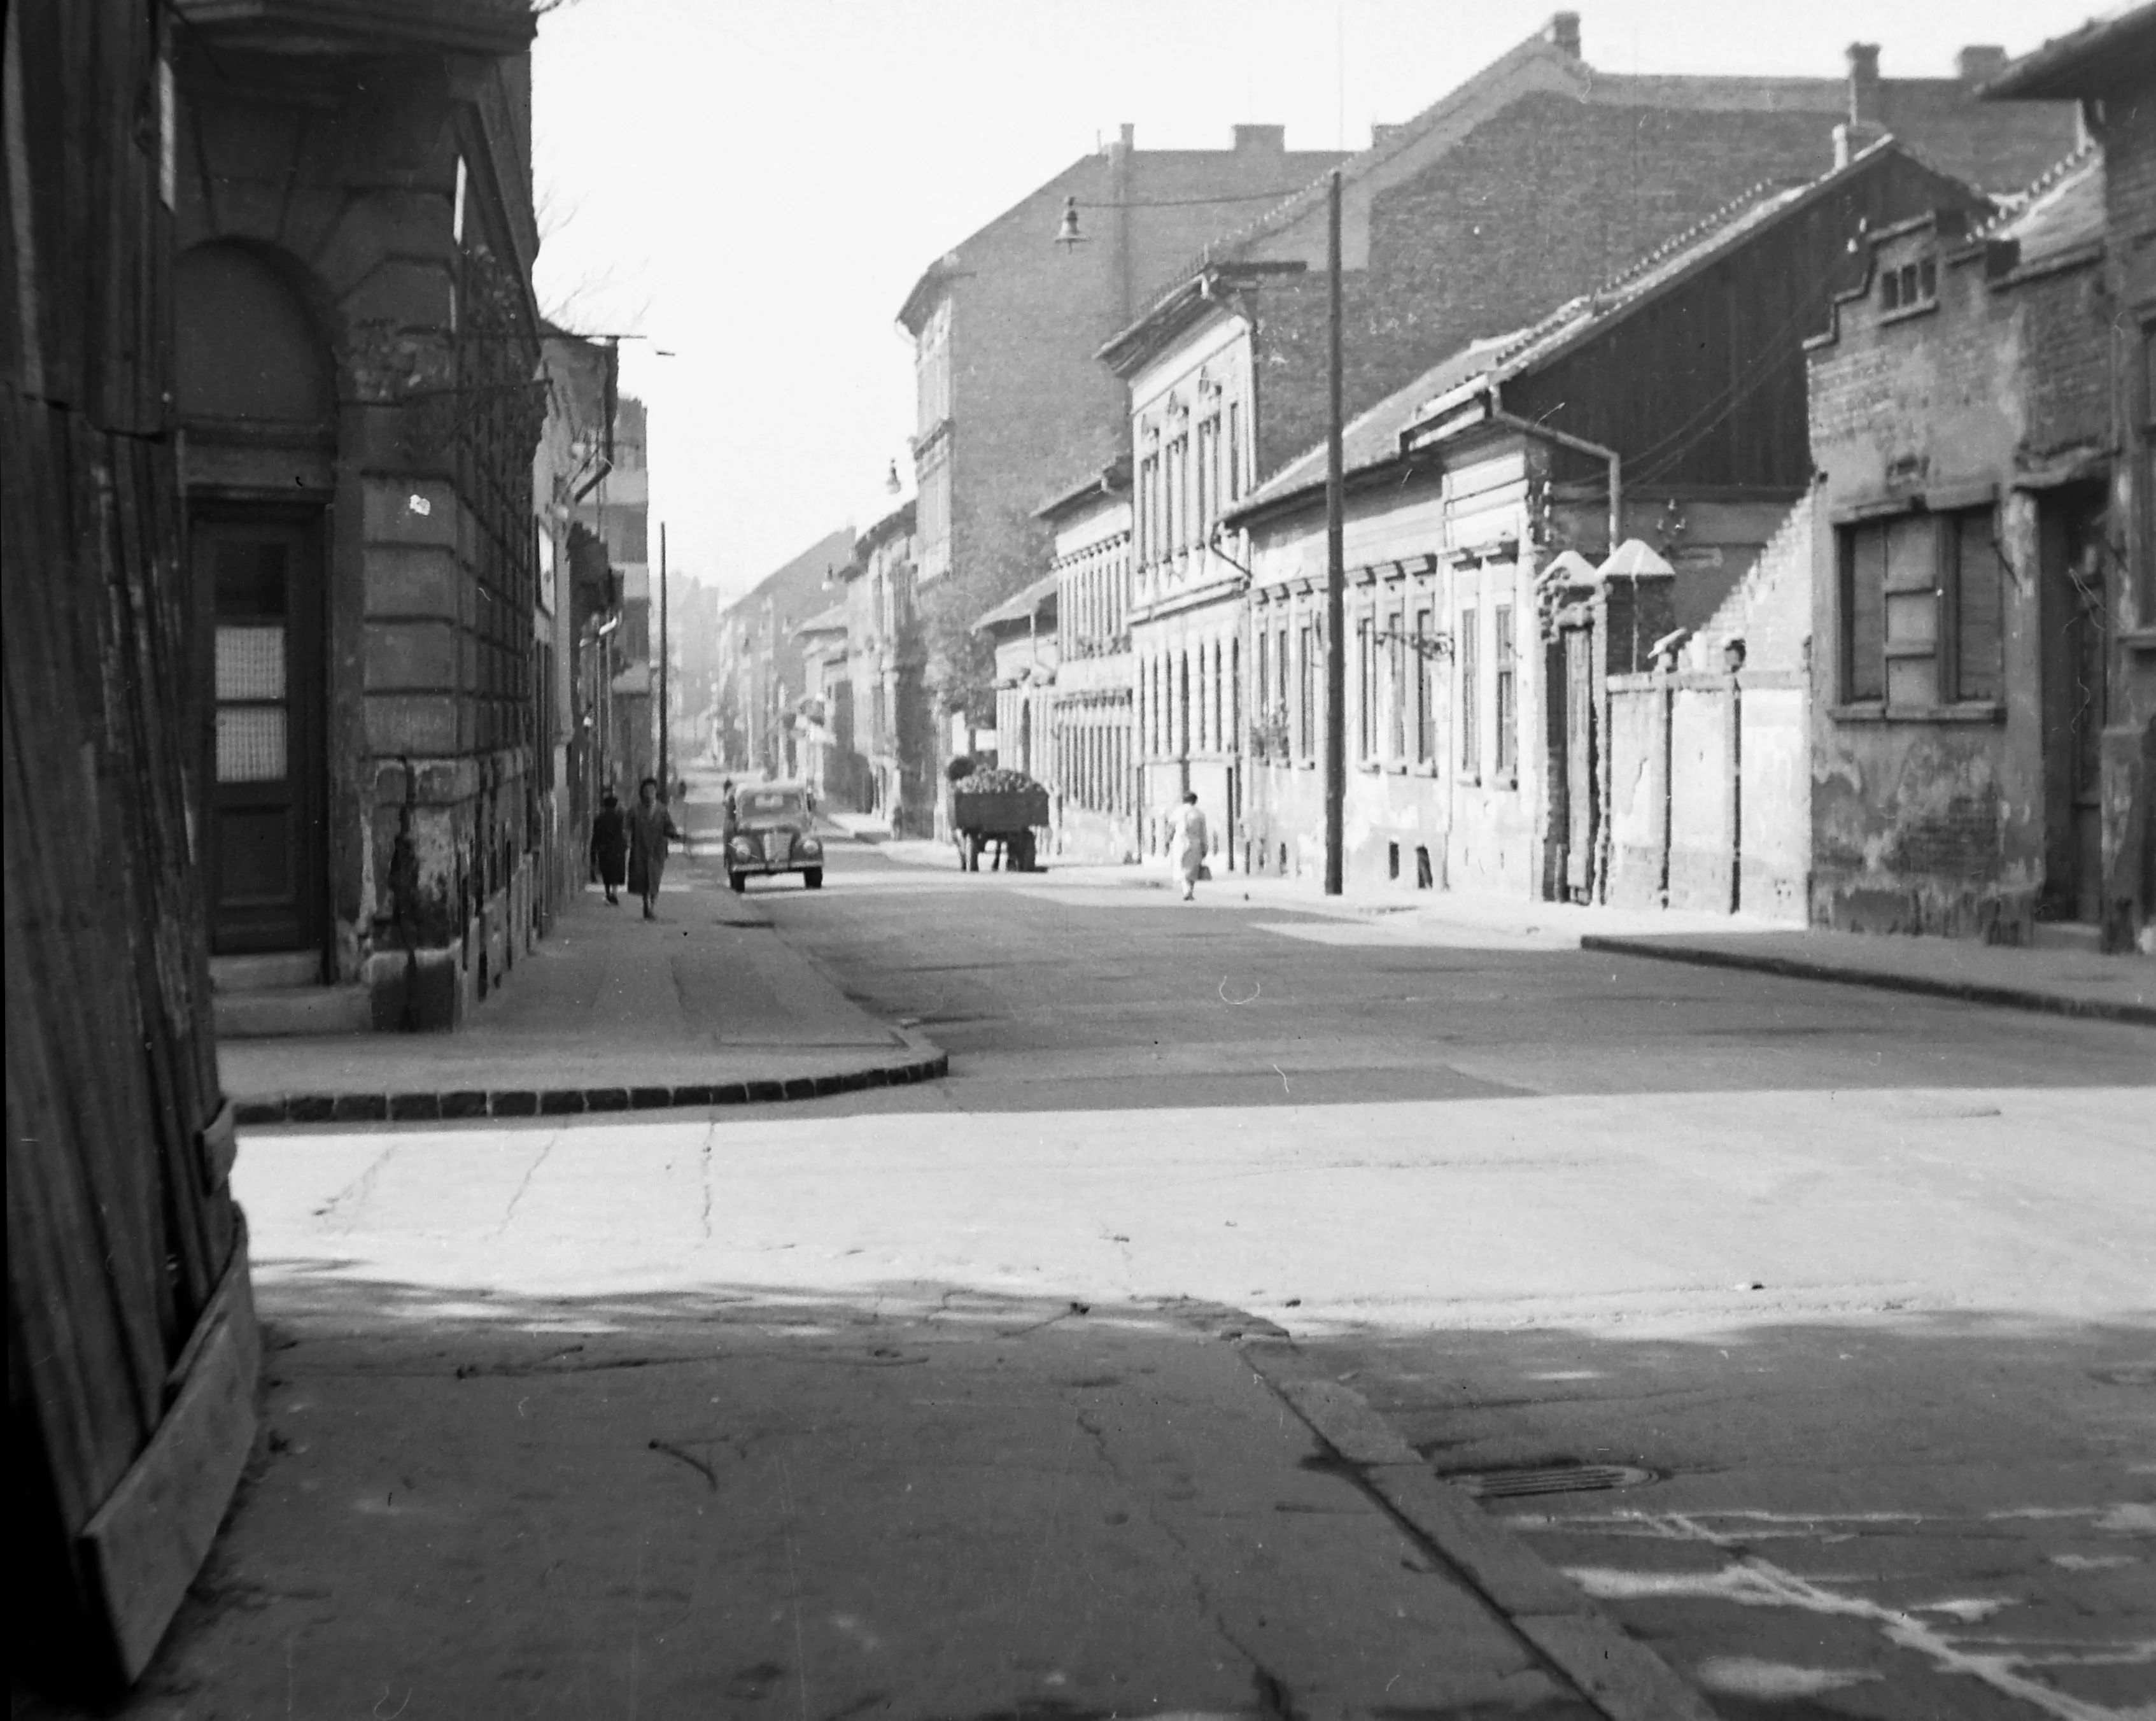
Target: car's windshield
767,804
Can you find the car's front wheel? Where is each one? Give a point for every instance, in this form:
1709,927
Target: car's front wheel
739,881
812,877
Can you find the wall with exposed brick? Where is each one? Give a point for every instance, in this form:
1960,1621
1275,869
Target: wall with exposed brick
1030,407
1933,820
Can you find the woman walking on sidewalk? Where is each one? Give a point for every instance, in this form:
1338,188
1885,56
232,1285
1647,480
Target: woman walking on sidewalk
1187,848
610,846
649,826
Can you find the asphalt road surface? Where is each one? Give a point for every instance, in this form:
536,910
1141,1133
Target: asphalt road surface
1809,1325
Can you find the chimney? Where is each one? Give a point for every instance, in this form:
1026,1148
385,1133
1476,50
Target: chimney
1979,63
1561,32
1864,83
1272,140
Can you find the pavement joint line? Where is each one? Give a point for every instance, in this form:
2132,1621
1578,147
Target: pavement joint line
926,1062
1798,967
1620,1677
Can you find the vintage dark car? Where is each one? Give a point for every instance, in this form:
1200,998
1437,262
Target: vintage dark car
773,831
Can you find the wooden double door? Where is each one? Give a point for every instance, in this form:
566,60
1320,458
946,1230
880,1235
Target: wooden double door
258,579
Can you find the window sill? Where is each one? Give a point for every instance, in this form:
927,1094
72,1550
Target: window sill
1975,711
1907,313
1468,779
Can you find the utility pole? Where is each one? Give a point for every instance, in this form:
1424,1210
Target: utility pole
1336,569
665,772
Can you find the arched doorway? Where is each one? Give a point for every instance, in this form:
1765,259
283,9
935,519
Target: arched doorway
255,395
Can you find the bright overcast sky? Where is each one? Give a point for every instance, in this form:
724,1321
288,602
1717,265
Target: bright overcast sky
755,184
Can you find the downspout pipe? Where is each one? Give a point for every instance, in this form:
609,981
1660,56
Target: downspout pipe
1579,445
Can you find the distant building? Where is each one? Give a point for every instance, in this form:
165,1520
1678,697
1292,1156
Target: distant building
824,717
618,512
578,594
1093,756
884,660
1021,631
763,677
1003,327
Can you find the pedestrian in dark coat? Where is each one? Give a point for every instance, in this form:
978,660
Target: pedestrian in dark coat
649,826
610,846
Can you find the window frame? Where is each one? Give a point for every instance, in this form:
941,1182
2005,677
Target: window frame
1946,649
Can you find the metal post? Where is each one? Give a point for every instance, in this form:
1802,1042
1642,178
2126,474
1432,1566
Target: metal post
1336,570
666,772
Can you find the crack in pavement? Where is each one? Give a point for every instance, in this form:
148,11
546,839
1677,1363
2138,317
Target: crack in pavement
531,1171
358,1191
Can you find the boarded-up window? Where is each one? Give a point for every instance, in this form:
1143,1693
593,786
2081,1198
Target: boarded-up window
1912,613
1922,610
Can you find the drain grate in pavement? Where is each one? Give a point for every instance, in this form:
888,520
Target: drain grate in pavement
1550,1479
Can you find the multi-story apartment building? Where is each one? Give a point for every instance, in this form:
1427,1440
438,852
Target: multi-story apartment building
1005,326
763,677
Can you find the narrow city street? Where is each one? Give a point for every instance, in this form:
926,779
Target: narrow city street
1806,1327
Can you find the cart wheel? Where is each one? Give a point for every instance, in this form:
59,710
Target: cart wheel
812,877
739,881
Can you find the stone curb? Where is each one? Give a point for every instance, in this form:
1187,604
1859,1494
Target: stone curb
1623,1678
926,1063
1800,967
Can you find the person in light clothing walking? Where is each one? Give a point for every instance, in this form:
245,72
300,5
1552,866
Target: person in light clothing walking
1186,845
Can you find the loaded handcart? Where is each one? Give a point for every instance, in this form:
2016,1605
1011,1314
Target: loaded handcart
1005,808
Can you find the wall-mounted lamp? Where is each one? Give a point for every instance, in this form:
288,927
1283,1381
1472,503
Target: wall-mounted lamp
1066,230
890,484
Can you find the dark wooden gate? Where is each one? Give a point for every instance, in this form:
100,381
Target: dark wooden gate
260,572
131,1337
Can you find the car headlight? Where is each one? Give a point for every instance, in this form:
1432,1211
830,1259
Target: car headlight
743,846
811,845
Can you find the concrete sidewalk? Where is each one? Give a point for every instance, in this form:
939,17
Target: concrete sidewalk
705,1006
2061,981
923,1506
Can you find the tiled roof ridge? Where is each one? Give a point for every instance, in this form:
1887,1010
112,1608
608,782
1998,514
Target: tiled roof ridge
1745,200
1744,203
2019,204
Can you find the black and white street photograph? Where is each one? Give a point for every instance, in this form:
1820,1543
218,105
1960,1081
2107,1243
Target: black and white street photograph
1079,860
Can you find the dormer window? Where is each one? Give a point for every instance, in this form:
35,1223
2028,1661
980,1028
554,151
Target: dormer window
1910,286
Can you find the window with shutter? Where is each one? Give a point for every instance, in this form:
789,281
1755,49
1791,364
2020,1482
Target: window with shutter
1978,607
1863,609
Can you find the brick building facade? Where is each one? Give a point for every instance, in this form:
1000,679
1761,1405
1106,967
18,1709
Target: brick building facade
1985,675
763,677
1004,327
1961,418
